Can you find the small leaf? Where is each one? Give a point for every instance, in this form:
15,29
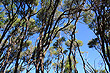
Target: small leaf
65,51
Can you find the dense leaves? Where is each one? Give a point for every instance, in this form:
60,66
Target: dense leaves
40,35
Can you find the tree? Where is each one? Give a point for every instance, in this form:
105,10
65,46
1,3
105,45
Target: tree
53,24
99,24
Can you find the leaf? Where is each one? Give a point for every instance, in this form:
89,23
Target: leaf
65,51
54,52
28,42
93,43
67,43
80,43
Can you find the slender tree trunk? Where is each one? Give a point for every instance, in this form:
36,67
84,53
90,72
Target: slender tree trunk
37,68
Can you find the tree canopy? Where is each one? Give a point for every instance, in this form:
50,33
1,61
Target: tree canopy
40,35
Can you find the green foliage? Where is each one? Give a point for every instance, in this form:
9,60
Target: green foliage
80,43
28,43
31,28
67,3
67,43
2,18
68,29
106,50
59,41
67,64
0,35
93,42
65,51
88,17
102,71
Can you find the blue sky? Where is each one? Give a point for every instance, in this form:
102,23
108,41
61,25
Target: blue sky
84,34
